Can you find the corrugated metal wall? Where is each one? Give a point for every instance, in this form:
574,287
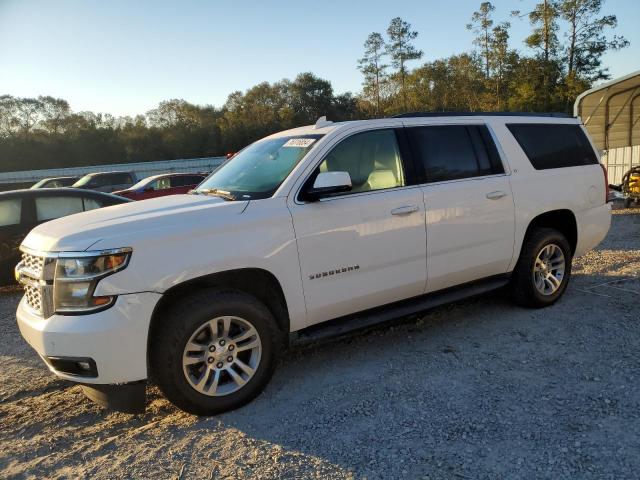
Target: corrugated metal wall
141,169
619,160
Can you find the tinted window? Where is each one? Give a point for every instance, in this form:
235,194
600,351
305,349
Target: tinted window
455,151
554,145
186,180
10,211
118,179
48,208
100,181
65,182
371,158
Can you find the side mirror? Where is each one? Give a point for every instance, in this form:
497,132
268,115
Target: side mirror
328,183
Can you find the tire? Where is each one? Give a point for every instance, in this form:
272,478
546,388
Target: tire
523,284
195,315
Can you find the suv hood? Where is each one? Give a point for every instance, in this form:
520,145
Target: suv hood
131,224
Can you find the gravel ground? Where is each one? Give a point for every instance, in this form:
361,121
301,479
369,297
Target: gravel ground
479,389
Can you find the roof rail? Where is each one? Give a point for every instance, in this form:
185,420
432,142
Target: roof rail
482,114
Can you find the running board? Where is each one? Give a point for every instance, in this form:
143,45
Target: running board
343,325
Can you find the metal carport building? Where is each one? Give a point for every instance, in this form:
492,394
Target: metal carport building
611,113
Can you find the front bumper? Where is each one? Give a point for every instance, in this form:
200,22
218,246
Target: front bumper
115,339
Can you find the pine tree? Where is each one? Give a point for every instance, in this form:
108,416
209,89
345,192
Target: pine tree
586,39
481,24
401,50
372,67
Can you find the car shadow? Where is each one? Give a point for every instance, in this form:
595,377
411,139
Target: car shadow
441,395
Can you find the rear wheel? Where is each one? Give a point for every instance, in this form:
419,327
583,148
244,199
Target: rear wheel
214,351
543,269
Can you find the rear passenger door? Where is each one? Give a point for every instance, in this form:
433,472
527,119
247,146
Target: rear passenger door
468,201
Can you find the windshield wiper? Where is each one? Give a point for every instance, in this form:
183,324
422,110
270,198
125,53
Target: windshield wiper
217,193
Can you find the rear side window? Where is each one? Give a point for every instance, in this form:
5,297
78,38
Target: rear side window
180,181
48,208
119,179
554,145
452,152
10,211
184,180
91,204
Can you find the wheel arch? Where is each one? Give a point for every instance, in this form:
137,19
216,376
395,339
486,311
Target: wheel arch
563,220
258,282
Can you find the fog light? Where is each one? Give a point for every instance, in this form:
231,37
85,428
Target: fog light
84,366
77,366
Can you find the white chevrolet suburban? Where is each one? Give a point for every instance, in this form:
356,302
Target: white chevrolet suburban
309,232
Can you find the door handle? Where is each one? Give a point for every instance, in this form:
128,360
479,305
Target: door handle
404,210
496,195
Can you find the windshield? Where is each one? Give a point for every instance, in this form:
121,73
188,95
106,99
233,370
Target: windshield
259,169
83,181
141,183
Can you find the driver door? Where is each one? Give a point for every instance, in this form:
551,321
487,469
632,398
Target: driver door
367,247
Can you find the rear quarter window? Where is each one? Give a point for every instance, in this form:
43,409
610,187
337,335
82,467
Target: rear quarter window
10,211
554,145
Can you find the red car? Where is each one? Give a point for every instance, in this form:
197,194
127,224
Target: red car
161,185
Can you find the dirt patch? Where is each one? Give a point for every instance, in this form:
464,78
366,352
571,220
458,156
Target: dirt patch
479,389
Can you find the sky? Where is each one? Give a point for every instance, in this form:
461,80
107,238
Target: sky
124,57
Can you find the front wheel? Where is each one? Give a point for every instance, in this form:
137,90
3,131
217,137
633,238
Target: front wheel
214,351
543,269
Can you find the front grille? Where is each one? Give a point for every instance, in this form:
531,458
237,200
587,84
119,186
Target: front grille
36,274
34,265
34,297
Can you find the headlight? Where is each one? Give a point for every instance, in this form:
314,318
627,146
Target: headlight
77,277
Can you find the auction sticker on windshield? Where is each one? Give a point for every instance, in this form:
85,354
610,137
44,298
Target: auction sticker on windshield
299,142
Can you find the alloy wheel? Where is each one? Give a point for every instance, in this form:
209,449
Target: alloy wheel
548,270
222,355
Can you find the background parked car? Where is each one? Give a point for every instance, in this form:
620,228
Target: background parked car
161,185
106,181
22,210
55,182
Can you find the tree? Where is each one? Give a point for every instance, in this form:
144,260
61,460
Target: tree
481,24
586,39
54,112
544,38
28,114
401,50
372,67
310,97
501,59
171,113
8,119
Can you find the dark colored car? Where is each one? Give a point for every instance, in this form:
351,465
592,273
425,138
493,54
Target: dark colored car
106,181
55,182
161,185
22,210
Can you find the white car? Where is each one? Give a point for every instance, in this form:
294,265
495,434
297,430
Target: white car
309,232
